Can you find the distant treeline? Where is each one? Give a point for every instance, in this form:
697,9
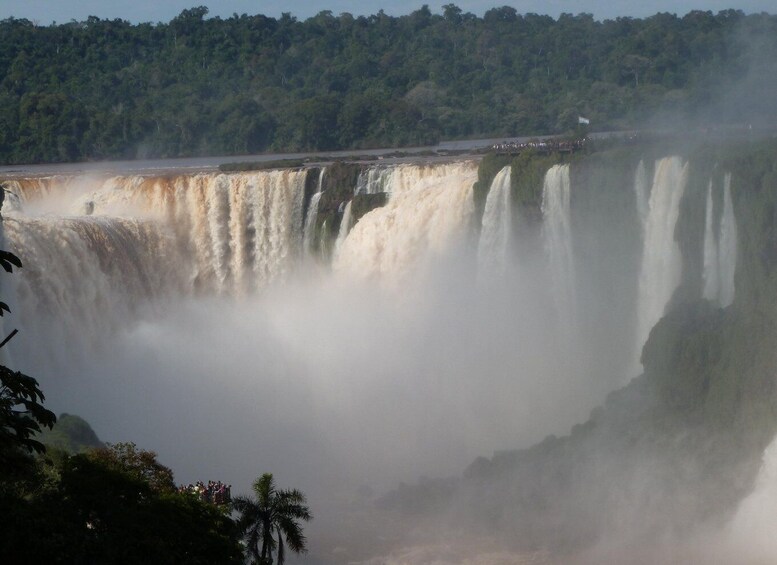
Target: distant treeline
101,89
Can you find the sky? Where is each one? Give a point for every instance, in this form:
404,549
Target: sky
45,12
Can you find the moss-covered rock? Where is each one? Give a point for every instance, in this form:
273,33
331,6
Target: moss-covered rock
72,434
527,177
488,168
363,203
681,444
338,187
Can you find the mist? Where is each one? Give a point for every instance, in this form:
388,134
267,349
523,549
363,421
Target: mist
343,383
185,314
729,103
337,389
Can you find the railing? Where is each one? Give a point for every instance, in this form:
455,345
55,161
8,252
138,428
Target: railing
543,146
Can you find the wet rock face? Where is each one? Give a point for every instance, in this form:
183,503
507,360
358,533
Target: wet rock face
678,448
363,203
337,190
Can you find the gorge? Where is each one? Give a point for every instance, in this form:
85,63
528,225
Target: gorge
359,325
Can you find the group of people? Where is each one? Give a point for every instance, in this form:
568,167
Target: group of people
543,146
215,492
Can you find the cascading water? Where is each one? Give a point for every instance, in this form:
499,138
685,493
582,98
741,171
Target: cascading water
661,267
557,237
727,248
237,233
400,178
428,208
89,274
641,194
345,227
242,231
312,215
373,180
58,194
720,255
337,353
493,246
224,233
710,271
320,183
310,222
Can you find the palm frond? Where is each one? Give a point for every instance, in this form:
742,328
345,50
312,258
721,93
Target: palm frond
293,503
294,537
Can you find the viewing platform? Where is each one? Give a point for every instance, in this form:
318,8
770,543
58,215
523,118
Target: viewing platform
544,146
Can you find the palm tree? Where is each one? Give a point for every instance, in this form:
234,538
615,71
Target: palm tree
272,512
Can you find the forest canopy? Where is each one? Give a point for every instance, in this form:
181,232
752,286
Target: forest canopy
195,86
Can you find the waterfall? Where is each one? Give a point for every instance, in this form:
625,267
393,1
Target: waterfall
312,215
373,180
418,220
720,255
241,214
310,222
641,193
217,201
91,275
156,275
401,178
661,267
240,231
345,226
493,246
7,297
239,227
102,252
727,248
557,238
320,184
710,271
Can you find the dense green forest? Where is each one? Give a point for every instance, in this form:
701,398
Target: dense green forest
101,89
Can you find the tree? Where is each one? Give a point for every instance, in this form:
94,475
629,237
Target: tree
452,13
117,514
21,404
72,434
137,463
273,512
115,504
21,416
112,505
